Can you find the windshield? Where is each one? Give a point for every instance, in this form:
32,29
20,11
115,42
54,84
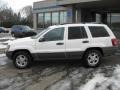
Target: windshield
39,34
21,27
26,28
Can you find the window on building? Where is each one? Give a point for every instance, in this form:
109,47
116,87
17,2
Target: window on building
113,20
98,18
55,35
76,33
98,31
51,18
47,19
63,17
55,18
40,23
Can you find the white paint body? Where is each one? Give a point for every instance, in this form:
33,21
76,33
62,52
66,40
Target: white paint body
34,46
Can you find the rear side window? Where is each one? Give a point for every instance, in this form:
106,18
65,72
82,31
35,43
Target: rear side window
76,33
98,31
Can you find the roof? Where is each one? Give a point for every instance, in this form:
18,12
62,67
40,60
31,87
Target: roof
48,3
79,24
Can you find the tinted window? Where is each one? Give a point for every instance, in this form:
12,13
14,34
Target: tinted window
98,31
55,34
20,27
76,33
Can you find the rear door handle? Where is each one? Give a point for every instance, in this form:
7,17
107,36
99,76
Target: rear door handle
59,43
85,41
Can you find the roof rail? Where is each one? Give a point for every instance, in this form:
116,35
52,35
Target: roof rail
83,23
66,23
93,23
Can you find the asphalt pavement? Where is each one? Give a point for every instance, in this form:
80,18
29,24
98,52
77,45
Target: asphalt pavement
42,75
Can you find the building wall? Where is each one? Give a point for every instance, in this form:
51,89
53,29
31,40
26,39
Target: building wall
56,6
105,11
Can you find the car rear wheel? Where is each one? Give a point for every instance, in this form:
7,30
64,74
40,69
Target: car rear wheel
92,58
22,60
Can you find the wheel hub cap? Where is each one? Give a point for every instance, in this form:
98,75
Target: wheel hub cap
21,60
93,59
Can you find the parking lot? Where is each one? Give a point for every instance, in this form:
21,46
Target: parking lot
60,75
45,75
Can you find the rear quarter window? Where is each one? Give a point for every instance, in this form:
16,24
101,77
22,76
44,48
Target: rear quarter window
98,31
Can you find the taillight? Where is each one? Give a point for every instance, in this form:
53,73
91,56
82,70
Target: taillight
114,42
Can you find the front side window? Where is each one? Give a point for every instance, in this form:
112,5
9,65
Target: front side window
98,31
76,33
55,35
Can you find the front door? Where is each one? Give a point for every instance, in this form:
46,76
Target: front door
53,45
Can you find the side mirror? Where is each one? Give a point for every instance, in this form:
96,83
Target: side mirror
42,39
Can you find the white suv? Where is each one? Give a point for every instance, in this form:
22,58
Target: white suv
88,42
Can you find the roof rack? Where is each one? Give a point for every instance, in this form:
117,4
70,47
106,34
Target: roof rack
66,23
84,23
93,23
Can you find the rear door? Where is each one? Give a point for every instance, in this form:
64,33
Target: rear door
100,36
76,42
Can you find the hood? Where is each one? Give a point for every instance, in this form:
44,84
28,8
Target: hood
21,40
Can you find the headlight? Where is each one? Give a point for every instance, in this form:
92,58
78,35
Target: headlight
8,47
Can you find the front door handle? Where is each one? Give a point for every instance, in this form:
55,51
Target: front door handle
59,43
85,41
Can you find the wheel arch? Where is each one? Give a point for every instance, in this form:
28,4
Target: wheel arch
94,48
20,50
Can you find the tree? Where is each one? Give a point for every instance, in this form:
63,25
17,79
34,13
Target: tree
8,17
26,13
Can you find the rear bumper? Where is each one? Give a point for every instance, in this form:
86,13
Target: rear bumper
108,51
9,54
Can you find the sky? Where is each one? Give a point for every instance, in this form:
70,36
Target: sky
16,5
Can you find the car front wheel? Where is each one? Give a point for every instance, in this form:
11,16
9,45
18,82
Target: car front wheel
92,58
22,60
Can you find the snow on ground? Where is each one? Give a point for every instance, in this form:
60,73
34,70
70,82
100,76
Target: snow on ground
72,80
97,80
3,59
62,85
7,37
94,80
101,82
2,55
3,46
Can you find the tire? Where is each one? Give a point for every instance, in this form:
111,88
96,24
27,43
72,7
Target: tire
22,60
92,58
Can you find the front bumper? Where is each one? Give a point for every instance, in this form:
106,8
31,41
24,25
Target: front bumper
9,54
